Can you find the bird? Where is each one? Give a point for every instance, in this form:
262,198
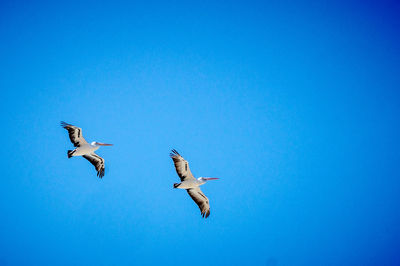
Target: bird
85,149
191,184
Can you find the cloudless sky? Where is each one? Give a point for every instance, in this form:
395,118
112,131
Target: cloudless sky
294,105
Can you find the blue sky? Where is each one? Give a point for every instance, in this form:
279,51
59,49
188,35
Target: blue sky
293,105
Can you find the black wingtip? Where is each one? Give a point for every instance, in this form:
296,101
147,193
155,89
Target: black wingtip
205,214
173,153
100,174
64,124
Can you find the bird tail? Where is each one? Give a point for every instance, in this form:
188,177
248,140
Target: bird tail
176,185
70,153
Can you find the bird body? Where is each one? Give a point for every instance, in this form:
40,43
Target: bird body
188,184
85,149
191,184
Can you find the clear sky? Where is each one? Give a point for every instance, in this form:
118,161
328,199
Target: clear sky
294,105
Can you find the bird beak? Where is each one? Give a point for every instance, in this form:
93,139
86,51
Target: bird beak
104,144
210,178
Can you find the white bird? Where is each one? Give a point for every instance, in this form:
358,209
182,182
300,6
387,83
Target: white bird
84,149
191,184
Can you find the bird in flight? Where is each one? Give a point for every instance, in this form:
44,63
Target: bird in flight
84,149
191,184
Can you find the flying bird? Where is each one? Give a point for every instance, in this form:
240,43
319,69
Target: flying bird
84,149
191,184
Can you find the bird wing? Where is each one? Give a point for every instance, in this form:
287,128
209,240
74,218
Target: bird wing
75,134
98,163
181,166
201,200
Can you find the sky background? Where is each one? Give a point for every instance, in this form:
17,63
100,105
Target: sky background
294,105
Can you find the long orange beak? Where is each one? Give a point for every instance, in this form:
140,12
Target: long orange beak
210,178
104,144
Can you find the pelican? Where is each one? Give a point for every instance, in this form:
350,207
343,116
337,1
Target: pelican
191,184
84,149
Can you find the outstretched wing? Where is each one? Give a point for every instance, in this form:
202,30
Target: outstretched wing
201,200
75,134
181,166
98,163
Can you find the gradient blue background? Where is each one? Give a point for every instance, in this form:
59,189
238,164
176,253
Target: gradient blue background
294,105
